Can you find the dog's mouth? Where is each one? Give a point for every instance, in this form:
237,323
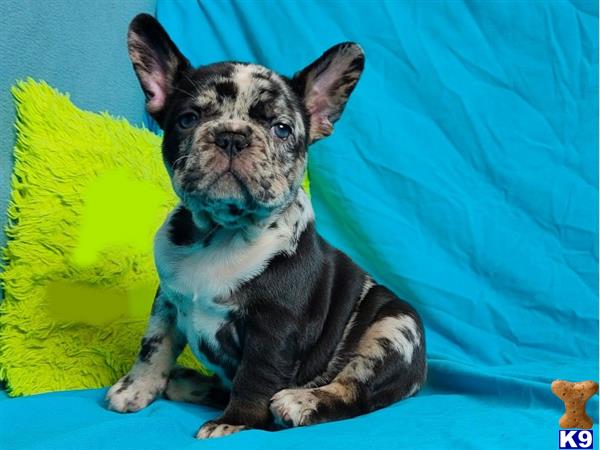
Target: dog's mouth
227,200
229,184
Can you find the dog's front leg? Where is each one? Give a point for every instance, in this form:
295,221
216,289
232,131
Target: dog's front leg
267,365
161,345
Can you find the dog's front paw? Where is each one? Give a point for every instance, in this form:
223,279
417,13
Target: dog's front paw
132,393
212,429
294,406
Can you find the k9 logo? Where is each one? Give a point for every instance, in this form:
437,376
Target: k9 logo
575,439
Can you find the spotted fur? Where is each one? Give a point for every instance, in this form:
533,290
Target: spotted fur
295,332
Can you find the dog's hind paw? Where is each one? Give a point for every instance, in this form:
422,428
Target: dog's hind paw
294,406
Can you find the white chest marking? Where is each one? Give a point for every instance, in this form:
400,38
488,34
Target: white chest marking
216,271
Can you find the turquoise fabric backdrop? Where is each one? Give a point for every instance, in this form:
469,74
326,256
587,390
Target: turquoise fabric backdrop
463,174
464,171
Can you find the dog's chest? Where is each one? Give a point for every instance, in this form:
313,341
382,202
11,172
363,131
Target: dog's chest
203,272
202,275
201,281
214,267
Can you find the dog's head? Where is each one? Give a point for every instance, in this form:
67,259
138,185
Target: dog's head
236,134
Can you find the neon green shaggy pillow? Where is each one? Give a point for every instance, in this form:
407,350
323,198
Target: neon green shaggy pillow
88,193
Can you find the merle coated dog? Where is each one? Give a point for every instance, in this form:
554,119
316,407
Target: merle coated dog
294,331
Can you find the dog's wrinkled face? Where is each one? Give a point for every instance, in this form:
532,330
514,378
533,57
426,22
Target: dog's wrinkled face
236,134
235,141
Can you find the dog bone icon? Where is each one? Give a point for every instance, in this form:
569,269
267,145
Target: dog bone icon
575,396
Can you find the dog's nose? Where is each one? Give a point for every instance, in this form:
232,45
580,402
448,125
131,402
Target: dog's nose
232,143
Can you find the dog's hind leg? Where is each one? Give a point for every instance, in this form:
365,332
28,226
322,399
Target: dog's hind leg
386,365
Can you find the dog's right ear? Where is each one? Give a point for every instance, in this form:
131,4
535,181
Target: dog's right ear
156,60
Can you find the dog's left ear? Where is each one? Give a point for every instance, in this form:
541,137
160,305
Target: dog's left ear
326,84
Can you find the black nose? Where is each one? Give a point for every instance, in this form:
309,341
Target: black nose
232,143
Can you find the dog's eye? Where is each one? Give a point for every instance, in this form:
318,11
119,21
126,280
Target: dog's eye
187,120
282,131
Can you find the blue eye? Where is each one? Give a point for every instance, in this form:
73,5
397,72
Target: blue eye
187,120
282,131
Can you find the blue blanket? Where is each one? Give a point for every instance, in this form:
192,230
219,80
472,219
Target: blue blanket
463,175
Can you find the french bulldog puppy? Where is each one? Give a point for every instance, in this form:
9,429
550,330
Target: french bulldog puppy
294,331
